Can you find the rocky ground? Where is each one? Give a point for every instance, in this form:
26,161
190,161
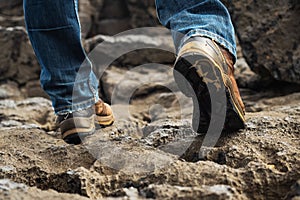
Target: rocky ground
151,151
152,154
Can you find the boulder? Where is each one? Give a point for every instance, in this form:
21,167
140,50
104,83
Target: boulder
132,48
120,85
112,17
17,60
39,113
269,36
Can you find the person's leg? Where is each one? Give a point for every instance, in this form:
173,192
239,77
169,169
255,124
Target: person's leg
54,31
66,75
208,18
206,51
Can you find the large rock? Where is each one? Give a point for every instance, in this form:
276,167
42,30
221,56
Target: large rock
17,59
103,17
119,85
269,36
112,17
132,48
39,113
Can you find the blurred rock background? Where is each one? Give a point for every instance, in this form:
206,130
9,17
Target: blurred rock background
264,157
267,34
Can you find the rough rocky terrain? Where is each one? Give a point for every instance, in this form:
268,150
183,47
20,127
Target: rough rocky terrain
152,154
151,151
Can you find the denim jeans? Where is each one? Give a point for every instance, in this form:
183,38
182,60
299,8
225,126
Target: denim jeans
54,31
188,18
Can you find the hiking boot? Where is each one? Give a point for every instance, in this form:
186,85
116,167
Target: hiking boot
203,68
77,125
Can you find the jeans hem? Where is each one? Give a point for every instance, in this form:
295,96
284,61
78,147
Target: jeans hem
204,33
76,107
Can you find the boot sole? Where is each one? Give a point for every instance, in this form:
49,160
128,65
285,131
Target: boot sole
191,66
78,135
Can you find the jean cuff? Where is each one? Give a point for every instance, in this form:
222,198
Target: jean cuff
204,33
76,107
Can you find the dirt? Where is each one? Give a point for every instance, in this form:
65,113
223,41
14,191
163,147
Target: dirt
153,155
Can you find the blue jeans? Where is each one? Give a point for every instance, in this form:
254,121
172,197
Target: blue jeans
54,31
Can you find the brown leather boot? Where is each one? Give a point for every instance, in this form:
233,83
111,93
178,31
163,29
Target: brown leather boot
77,125
203,68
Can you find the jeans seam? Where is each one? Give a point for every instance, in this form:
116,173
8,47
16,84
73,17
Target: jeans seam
49,29
83,50
93,90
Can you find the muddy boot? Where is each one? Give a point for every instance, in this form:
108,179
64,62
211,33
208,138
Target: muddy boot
203,68
77,125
